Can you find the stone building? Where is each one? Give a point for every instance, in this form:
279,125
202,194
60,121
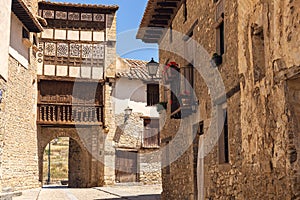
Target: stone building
18,83
136,134
232,71
76,71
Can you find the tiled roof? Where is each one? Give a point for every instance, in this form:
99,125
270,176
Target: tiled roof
97,6
137,70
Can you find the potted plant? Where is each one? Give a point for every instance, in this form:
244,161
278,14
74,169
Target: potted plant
217,59
170,71
161,106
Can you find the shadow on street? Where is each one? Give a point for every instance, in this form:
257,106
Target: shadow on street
141,197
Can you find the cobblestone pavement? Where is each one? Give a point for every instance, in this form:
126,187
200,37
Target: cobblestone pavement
119,192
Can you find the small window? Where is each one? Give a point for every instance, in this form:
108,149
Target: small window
35,40
171,33
152,94
151,138
224,142
184,11
175,91
220,39
188,82
25,33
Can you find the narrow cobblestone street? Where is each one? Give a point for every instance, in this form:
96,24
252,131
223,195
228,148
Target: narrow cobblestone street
122,192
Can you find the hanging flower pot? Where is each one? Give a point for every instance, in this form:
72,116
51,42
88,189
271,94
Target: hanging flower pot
170,71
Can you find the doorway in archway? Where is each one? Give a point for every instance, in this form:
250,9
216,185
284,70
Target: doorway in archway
55,162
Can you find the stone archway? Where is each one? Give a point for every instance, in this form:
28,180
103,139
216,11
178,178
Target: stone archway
84,169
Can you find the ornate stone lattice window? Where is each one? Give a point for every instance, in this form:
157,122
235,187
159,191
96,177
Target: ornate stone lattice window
87,51
73,16
48,14
50,49
75,50
62,50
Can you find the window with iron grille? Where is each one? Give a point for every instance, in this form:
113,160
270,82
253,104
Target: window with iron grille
152,94
151,136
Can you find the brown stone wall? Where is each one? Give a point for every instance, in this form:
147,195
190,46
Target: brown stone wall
149,167
129,136
218,179
19,167
270,139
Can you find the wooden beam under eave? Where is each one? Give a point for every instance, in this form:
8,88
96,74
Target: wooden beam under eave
150,40
167,4
164,10
148,36
167,17
154,32
159,22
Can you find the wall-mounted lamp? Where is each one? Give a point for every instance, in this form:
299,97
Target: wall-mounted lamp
152,67
127,112
1,95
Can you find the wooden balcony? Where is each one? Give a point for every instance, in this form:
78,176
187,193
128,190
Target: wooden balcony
68,114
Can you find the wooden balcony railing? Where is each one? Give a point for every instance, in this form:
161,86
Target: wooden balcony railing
69,114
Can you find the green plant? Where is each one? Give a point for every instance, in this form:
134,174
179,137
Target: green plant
161,106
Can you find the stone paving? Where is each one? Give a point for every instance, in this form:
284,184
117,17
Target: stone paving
119,192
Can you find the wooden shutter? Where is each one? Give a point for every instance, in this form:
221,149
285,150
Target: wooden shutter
152,94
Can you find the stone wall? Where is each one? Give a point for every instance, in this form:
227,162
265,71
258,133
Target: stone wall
129,133
270,139
129,136
19,168
261,102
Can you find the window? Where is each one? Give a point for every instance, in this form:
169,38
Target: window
184,11
258,52
220,42
171,33
188,82
25,33
175,91
224,142
152,94
220,39
151,137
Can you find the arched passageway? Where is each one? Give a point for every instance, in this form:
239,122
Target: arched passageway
84,170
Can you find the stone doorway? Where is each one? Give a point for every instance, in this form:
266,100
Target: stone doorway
84,169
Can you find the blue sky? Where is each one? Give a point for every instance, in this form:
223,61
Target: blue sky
129,17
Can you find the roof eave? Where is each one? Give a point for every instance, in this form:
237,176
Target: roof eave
157,17
25,15
113,8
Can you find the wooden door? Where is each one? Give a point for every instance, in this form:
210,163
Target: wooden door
126,166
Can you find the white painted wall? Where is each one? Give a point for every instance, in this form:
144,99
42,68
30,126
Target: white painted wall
17,49
132,93
5,14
